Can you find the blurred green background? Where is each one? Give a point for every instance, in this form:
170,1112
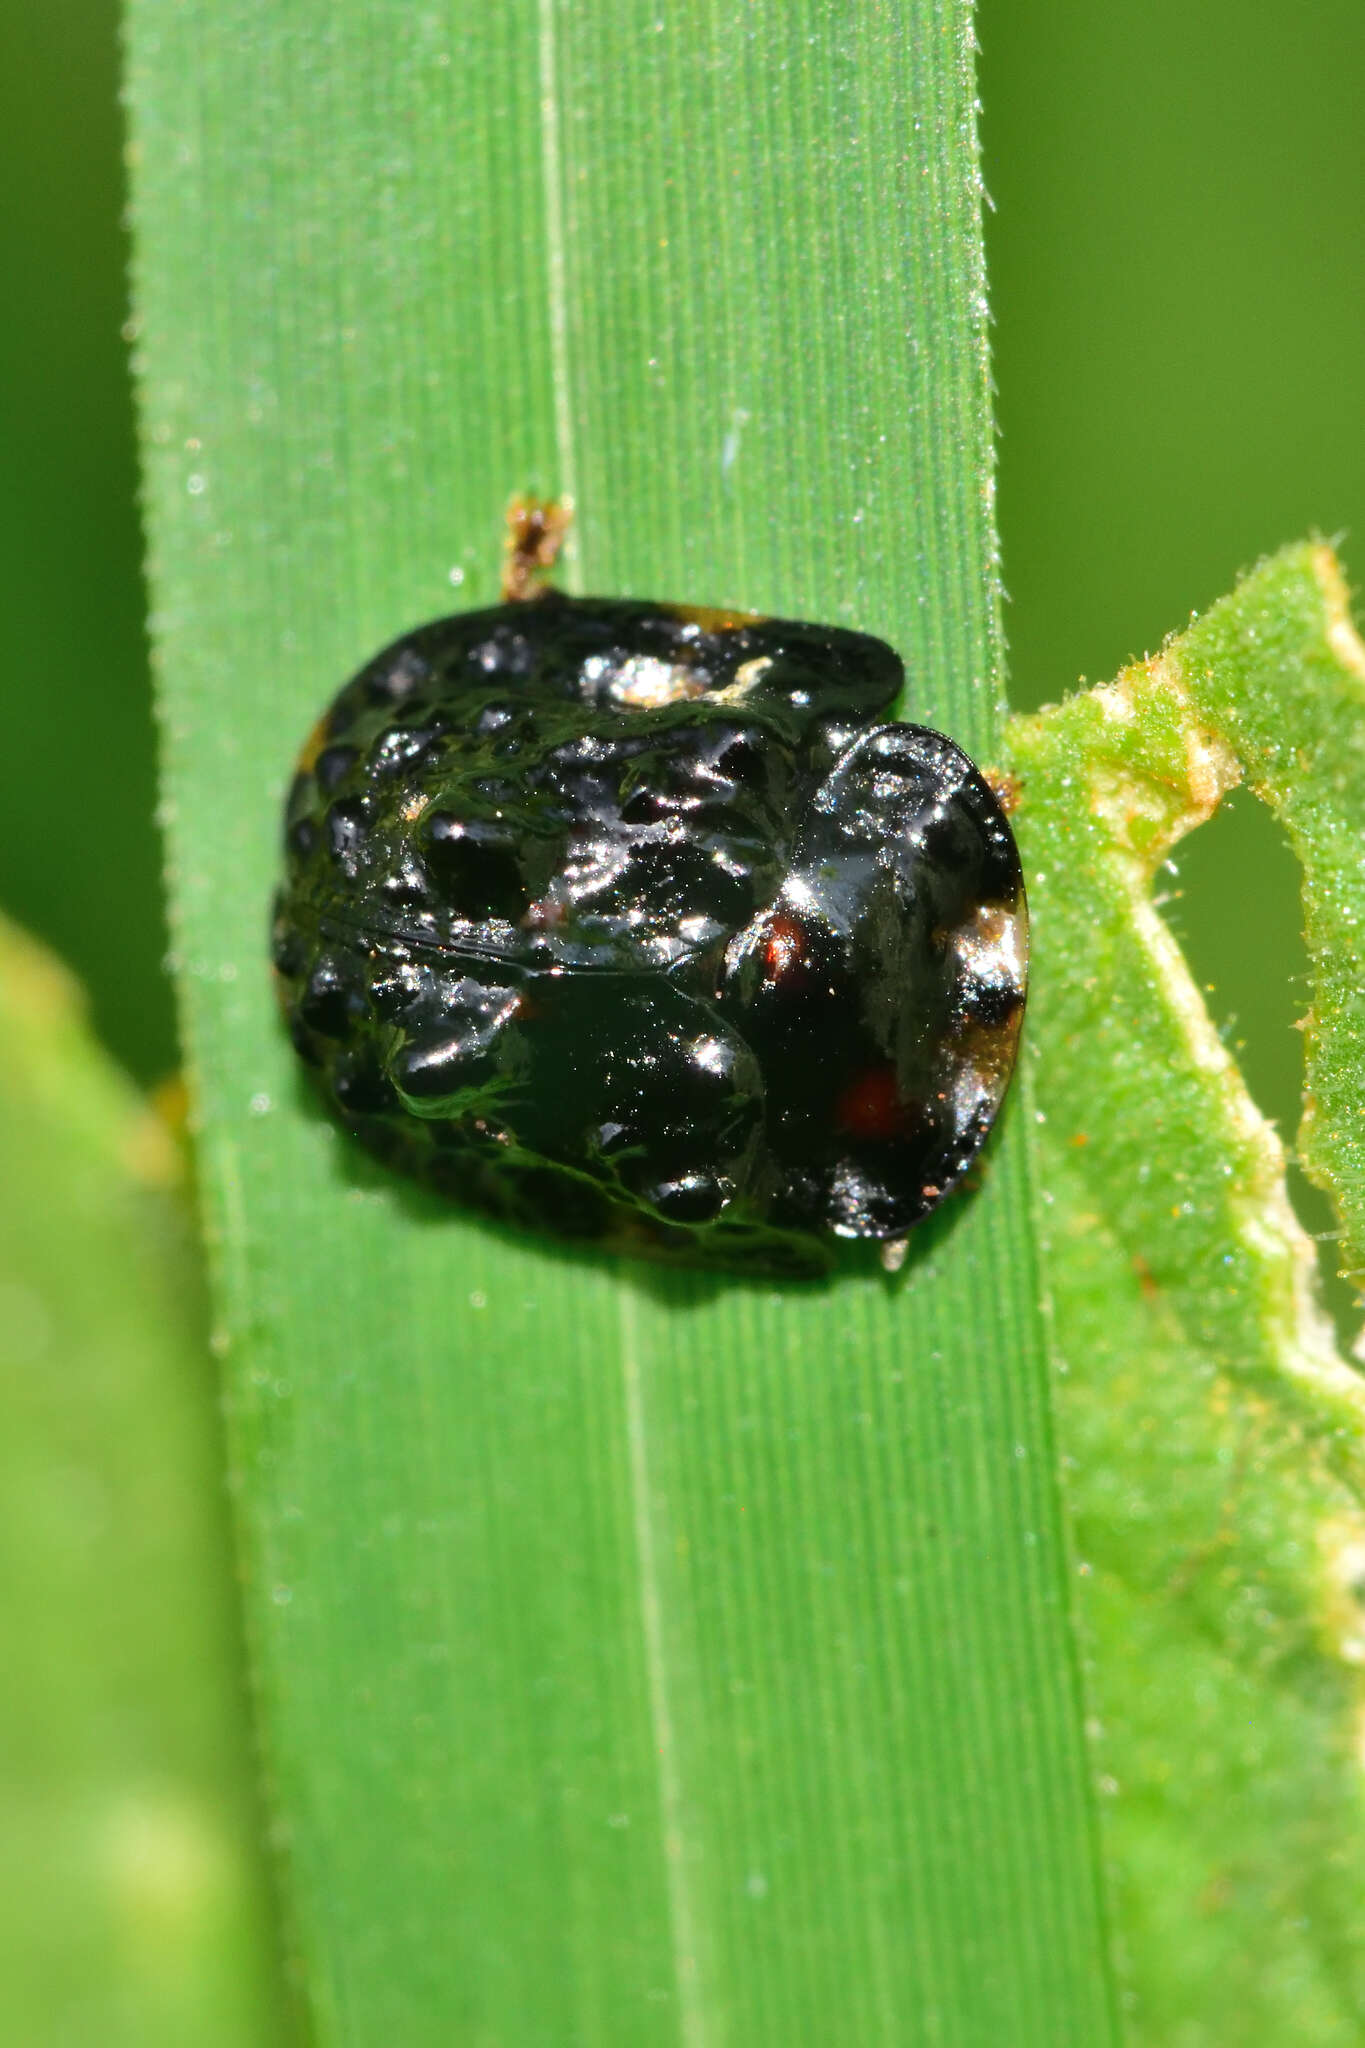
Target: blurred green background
1177,256
79,862
1177,266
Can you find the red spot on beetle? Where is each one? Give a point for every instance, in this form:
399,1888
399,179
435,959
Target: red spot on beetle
871,1107
784,953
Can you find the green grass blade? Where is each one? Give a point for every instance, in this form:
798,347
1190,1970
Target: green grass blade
641,1662
132,1905
1214,1440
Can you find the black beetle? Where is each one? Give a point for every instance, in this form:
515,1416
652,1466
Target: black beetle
637,922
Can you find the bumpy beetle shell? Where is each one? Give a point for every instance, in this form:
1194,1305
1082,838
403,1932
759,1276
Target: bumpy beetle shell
633,922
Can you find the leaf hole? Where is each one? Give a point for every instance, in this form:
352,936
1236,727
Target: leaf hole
1231,896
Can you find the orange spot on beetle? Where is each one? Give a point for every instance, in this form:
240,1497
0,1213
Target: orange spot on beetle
313,745
712,619
1004,787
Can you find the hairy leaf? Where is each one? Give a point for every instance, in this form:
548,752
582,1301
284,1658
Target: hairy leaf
1212,1438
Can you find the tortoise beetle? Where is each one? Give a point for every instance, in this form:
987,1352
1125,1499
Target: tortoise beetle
639,923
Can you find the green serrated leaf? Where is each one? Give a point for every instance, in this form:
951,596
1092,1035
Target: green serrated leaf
641,1662
1212,1438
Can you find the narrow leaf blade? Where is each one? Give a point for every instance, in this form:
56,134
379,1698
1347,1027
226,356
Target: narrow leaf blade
643,1661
